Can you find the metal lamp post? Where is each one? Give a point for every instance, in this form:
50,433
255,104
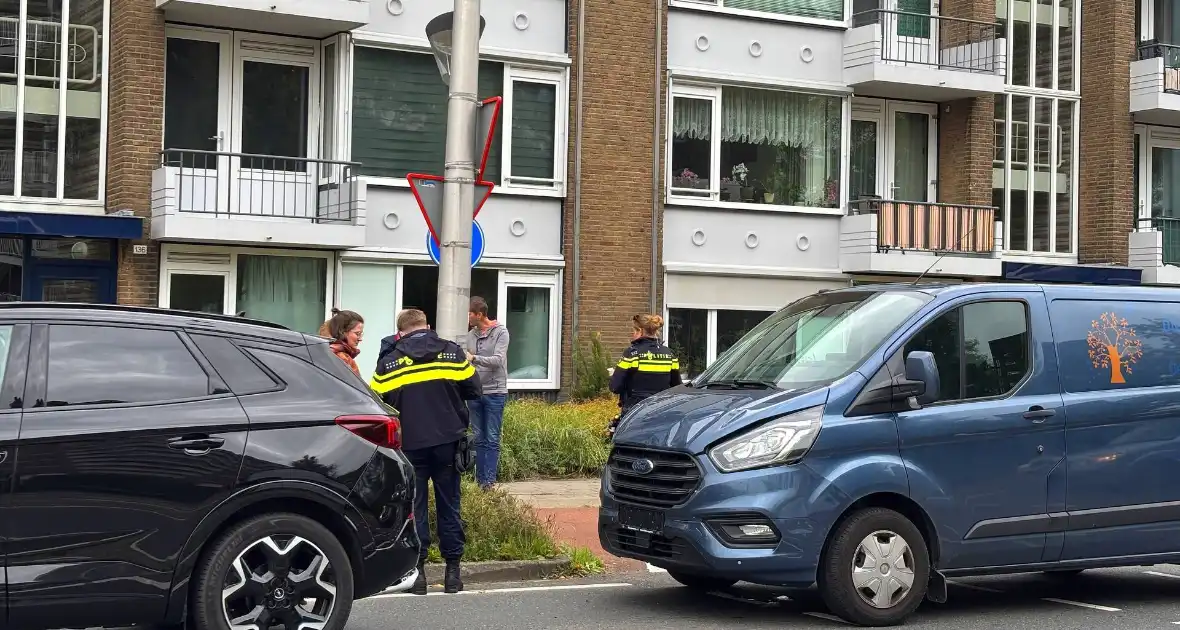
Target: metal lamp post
454,38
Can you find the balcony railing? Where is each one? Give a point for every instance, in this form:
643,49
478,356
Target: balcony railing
1170,54
944,43
225,184
1169,229
931,227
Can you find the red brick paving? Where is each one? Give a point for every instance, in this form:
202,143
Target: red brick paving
578,527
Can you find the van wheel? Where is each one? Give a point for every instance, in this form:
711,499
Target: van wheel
280,570
700,582
875,569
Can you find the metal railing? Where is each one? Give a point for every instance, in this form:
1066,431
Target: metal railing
1170,54
243,184
1169,228
946,43
931,227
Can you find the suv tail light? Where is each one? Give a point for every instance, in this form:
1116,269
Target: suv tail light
383,431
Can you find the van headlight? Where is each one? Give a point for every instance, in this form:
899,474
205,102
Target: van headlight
783,440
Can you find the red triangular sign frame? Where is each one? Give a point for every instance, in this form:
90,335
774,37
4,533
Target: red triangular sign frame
427,191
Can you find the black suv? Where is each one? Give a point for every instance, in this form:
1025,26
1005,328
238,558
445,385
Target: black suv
167,467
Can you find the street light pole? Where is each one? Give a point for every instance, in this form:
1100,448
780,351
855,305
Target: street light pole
454,269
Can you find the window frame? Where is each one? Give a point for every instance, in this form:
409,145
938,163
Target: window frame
19,202
718,6
513,70
1150,137
897,359
39,364
228,267
713,92
711,353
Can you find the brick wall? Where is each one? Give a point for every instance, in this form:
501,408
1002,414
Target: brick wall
1107,201
966,140
134,134
619,111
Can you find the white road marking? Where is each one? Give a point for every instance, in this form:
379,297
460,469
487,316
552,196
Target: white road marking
522,589
974,587
1161,574
651,569
1081,604
827,617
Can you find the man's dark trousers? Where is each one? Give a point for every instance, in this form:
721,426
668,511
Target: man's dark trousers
437,464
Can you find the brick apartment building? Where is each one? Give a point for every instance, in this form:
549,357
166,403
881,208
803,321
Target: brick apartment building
710,159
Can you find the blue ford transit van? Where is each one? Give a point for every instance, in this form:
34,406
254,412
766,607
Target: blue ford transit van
877,440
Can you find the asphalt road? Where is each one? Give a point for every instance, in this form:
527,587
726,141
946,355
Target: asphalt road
1134,599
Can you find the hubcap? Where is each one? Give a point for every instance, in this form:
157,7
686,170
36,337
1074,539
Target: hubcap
883,569
279,582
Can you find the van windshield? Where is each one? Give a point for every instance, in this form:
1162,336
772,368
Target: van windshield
814,341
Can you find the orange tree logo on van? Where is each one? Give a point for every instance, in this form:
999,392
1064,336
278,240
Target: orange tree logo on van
1113,345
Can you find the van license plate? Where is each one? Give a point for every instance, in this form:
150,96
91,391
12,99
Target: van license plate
640,520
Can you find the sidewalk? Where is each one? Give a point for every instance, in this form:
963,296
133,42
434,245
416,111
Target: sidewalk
571,508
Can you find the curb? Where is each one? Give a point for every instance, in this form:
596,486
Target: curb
501,571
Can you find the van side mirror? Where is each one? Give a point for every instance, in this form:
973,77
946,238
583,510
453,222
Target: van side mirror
921,377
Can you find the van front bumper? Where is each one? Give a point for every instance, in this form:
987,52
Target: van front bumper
800,505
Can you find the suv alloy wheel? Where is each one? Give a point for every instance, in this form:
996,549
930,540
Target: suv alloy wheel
281,571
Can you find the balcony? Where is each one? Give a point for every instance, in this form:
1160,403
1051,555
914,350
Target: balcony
907,237
1155,85
1154,247
207,196
896,54
303,18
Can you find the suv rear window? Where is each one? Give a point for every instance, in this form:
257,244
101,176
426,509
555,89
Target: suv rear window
325,359
239,371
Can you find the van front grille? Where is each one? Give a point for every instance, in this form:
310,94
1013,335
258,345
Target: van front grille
672,479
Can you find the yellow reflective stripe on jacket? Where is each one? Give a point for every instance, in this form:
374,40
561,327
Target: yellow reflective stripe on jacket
421,373
649,365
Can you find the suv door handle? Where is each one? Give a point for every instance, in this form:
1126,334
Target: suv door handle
196,445
1039,414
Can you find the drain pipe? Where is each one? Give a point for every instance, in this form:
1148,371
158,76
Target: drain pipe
656,171
577,262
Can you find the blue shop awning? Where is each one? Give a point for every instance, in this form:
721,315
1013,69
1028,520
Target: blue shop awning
71,225
1072,274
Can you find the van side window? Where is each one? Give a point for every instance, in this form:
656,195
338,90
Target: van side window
981,349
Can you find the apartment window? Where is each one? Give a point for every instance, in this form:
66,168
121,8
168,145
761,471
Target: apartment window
699,336
400,113
1042,42
1036,174
754,146
894,150
56,150
284,287
1157,185
526,303
810,9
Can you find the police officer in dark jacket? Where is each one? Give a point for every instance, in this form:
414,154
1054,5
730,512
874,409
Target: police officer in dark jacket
428,379
648,367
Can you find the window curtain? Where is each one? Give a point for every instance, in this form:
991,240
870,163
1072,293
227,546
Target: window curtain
287,290
820,9
399,113
528,327
863,179
692,118
805,128
534,119
911,160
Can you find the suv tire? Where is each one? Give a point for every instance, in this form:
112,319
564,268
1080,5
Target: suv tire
700,582
875,569
312,576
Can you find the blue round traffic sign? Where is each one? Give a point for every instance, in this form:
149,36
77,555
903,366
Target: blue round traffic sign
477,245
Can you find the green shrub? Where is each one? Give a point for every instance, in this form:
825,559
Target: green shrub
498,527
545,440
592,376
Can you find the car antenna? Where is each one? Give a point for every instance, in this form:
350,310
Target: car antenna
939,259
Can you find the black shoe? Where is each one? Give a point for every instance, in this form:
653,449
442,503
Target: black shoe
419,587
453,583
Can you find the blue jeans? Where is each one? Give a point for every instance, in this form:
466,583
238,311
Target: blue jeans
487,418
437,464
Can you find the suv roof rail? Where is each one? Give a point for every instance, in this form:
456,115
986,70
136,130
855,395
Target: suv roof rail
143,309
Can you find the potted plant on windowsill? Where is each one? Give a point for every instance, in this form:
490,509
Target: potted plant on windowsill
689,180
741,176
771,183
